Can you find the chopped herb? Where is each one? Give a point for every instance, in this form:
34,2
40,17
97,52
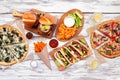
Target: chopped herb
109,46
0,43
118,27
108,51
20,54
4,29
7,59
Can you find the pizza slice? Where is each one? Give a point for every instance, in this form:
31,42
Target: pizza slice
110,28
97,39
20,51
106,28
10,35
109,49
116,28
6,57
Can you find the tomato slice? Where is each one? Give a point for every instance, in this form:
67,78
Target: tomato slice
53,43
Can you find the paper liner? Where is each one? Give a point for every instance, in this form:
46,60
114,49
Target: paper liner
99,56
89,30
44,57
117,18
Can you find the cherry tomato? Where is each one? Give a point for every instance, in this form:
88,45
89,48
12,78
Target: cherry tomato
53,43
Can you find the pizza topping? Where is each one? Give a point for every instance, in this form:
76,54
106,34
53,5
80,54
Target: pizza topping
6,55
117,30
19,50
118,39
108,52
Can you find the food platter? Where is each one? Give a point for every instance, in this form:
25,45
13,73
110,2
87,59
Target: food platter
65,31
38,22
73,51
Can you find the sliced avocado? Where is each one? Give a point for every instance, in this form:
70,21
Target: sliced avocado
57,63
79,15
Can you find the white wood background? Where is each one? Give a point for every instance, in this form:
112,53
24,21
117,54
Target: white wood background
78,71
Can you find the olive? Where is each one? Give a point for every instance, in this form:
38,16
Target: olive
29,35
7,59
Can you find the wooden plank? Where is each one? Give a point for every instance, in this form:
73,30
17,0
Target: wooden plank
54,6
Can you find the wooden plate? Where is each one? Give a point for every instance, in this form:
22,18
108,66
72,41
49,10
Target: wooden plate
62,21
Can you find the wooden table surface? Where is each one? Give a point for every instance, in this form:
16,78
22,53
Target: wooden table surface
23,71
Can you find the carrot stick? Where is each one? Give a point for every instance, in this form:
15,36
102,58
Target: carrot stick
39,46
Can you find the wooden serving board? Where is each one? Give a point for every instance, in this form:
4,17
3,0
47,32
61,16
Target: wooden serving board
50,17
62,21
